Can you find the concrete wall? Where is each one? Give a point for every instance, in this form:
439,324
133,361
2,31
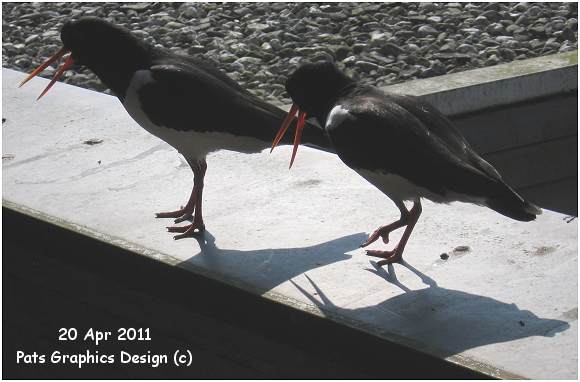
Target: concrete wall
522,117
534,145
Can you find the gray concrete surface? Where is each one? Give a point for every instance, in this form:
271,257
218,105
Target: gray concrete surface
507,306
483,88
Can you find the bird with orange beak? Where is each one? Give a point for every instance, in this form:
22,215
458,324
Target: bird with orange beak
185,101
402,145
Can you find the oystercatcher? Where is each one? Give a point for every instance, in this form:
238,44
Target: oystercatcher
185,101
400,144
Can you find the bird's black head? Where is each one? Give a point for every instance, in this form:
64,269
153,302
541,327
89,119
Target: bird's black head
110,51
91,40
315,87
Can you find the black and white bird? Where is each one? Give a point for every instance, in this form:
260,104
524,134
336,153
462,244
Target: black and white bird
400,144
185,101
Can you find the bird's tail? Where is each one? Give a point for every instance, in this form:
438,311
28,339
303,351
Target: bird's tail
511,204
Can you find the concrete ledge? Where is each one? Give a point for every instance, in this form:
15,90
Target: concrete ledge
505,84
507,306
232,334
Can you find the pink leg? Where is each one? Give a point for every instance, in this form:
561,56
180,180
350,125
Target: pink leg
199,168
397,254
183,213
385,230
186,213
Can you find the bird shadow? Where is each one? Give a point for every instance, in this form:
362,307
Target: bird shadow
264,269
449,320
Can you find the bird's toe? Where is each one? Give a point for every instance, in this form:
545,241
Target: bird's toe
190,230
172,214
388,257
177,229
371,239
385,238
391,260
183,218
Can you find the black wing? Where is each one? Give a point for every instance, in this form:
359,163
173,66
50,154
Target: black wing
381,134
197,97
440,125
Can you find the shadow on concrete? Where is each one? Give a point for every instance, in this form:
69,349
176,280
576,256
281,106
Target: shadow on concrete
66,279
451,321
267,268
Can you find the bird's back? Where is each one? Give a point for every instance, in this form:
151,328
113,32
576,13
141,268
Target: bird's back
195,95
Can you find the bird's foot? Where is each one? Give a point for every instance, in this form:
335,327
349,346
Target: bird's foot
180,215
189,230
389,257
184,217
172,214
382,232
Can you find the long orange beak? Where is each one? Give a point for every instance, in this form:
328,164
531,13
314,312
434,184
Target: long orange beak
67,64
284,127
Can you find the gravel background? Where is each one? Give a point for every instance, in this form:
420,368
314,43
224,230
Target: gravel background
258,44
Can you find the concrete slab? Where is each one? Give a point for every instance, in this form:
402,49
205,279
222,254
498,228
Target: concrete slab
493,86
507,305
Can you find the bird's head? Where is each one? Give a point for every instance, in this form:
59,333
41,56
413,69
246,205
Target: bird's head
314,89
107,49
93,41
315,86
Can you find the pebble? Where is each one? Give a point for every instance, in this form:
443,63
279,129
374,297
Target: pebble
567,34
265,46
427,7
466,48
256,27
174,25
249,60
358,48
341,52
471,30
492,60
481,21
322,56
306,51
520,7
503,39
349,60
514,28
448,47
523,20
391,49
507,54
201,27
366,66
32,38
259,43
427,30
